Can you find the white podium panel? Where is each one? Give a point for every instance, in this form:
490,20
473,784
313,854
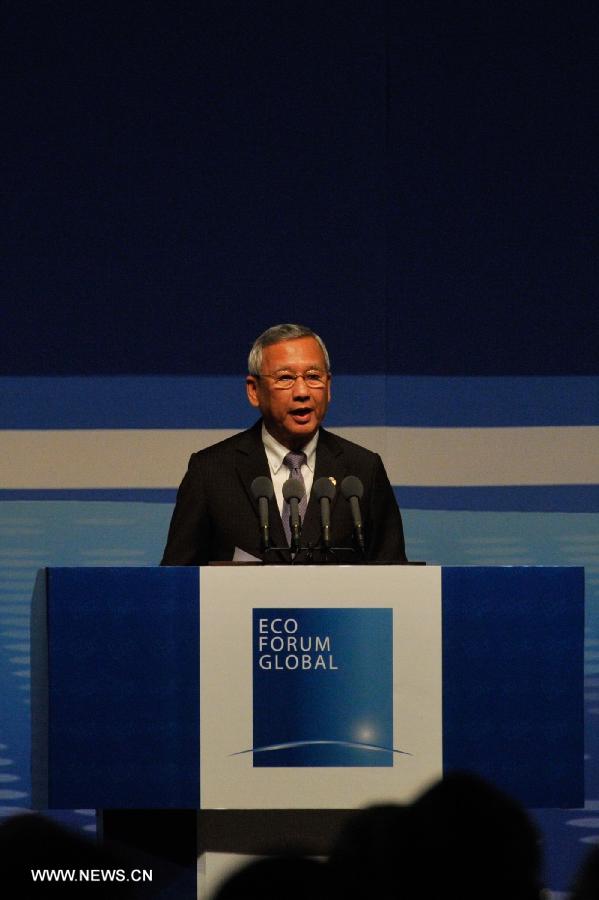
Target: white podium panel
320,687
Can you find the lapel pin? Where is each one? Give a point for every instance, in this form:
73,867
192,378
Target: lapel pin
333,480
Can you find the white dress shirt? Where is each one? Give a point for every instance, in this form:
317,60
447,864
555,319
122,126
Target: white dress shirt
279,472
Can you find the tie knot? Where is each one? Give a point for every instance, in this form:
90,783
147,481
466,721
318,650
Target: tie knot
295,460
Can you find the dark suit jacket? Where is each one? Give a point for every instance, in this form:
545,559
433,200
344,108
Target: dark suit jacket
215,511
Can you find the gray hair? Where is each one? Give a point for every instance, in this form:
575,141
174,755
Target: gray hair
275,335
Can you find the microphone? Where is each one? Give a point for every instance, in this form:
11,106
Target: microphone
293,491
263,491
353,489
324,490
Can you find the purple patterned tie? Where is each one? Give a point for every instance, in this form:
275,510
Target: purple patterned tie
294,462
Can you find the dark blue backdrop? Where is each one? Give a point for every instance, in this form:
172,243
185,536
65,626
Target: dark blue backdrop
416,180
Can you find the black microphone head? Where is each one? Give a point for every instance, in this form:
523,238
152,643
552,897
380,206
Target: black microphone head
293,488
323,487
262,487
351,486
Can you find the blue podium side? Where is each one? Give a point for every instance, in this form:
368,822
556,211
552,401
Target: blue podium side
513,643
115,688
116,692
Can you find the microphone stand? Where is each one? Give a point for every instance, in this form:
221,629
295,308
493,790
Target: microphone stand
328,553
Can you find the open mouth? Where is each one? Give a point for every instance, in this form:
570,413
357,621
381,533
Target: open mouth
301,415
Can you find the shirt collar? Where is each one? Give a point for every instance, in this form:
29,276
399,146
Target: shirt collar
276,452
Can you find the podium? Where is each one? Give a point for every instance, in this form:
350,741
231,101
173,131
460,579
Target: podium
271,688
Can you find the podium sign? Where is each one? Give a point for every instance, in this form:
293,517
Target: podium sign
319,690
307,687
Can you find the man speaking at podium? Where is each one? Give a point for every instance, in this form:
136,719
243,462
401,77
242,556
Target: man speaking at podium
259,494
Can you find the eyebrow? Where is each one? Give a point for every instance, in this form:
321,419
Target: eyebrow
291,371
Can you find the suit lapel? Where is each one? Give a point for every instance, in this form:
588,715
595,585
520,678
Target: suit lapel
330,463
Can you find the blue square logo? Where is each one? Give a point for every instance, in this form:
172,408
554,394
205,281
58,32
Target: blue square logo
322,687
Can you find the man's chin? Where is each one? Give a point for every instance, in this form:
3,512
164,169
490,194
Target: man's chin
300,432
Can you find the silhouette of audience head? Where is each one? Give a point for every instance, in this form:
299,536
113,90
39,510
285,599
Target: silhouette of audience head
34,842
477,840
462,837
368,857
586,883
277,878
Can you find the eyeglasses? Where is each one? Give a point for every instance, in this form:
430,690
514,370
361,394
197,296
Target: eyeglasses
284,381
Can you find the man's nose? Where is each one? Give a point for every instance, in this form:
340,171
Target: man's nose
300,388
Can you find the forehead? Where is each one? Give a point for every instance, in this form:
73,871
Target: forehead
298,353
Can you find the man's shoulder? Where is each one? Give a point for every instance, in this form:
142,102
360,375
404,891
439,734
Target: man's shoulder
337,444
248,441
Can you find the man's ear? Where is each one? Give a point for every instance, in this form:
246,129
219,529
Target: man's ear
251,387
